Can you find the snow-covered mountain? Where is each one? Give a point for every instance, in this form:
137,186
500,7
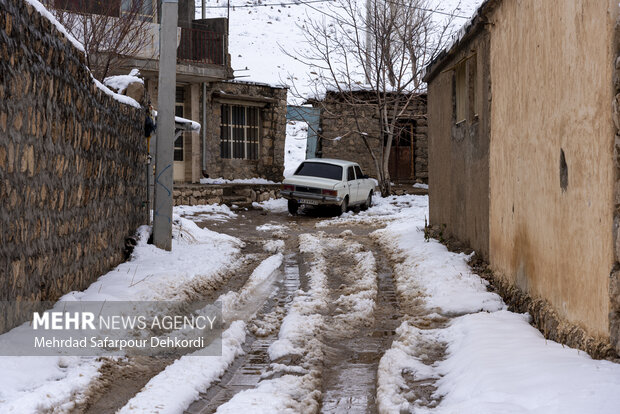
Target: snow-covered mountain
261,30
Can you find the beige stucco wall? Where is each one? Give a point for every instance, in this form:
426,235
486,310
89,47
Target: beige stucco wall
546,97
459,154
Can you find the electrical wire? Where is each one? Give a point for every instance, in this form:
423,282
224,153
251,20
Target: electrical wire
302,3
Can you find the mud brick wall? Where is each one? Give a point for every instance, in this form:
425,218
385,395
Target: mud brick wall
614,277
71,164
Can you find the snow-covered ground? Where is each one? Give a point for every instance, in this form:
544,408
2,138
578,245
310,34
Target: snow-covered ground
198,258
295,146
495,361
175,388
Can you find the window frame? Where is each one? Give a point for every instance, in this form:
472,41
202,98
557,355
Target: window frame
240,132
460,91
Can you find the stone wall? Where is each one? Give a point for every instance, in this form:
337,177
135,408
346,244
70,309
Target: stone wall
71,167
272,104
242,195
339,138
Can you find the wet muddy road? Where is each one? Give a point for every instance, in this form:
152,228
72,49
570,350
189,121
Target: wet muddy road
356,314
352,346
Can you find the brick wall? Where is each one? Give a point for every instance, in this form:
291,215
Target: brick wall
71,166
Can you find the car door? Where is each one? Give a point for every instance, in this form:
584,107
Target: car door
352,185
363,188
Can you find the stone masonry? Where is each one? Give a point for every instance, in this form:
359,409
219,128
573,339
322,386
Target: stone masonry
337,139
71,164
242,195
272,103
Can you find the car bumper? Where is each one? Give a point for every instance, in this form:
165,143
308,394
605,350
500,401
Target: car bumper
319,198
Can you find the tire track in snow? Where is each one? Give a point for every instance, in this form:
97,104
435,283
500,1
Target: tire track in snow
175,388
294,381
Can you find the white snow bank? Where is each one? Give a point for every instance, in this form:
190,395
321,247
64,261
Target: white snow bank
402,358
120,82
32,384
274,205
198,255
233,302
495,361
427,269
44,384
175,388
295,146
274,246
216,212
498,363
152,274
221,180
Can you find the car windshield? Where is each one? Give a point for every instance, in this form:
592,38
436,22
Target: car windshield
320,169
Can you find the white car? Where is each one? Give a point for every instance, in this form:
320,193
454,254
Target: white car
322,181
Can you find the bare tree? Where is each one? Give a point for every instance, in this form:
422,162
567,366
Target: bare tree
368,60
110,30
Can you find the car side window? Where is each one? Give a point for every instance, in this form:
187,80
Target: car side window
350,174
358,172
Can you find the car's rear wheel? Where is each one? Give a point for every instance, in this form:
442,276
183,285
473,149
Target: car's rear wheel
368,202
345,205
293,206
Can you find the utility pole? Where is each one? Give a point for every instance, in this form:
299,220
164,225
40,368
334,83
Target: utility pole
162,211
204,9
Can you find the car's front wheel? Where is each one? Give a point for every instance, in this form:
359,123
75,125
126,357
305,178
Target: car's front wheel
293,206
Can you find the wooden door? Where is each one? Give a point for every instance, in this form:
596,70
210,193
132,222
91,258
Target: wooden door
402,154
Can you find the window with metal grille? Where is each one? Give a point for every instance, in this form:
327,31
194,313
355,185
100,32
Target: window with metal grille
239,132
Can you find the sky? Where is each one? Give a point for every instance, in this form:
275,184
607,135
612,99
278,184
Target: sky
260,35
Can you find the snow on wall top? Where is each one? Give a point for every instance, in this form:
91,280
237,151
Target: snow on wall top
78,45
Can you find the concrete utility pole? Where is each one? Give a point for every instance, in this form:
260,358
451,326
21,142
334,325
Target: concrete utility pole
162,211
204,9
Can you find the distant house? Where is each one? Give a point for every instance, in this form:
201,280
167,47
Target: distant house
338,137
523,154
243,124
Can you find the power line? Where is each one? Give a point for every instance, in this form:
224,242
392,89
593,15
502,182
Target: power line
299,3
302,3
